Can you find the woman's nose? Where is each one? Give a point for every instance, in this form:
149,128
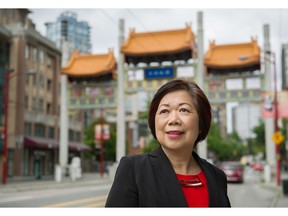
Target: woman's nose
174,118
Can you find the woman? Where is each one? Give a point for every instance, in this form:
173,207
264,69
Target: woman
173,175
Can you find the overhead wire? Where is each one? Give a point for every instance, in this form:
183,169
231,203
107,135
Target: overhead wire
145,28
116,23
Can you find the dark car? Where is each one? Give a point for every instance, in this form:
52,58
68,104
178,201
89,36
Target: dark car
233,171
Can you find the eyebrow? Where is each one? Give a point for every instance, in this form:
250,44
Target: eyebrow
181,104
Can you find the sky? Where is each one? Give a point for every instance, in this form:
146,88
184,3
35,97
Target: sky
222,25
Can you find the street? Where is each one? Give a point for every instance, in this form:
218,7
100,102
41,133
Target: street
90,196
248,194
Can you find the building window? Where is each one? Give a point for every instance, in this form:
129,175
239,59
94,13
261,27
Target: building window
51,132
49,62
41,57
28,129
27,52
48,108
77,136
41,105
49,84
35,54
39,130
34,104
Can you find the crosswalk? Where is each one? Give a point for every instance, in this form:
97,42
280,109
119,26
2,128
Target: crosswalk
91,202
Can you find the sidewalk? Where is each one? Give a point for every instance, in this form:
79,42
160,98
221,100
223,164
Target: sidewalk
87,179
281,200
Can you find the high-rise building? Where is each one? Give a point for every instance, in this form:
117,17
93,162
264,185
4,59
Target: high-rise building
68,28
245,117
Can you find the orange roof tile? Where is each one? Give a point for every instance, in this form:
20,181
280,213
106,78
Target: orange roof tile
170,41
90,65
232,55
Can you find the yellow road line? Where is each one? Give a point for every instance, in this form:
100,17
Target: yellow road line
77,201
102,204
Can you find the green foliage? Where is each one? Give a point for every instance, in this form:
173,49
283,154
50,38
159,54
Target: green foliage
153,144
109,145
230,149
257,144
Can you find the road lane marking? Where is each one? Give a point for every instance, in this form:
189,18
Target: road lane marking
70,203
102,204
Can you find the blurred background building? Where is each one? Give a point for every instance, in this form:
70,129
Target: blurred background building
67,27
33,63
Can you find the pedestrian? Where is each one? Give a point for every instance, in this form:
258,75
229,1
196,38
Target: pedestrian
172,175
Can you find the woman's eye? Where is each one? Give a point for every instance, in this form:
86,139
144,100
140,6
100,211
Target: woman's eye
163,111
184,110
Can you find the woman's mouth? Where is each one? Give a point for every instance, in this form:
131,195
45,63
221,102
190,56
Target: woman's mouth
174,133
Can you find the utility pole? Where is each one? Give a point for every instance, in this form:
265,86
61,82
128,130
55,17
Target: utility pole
268,122
202,147
276,126
120,145
63,142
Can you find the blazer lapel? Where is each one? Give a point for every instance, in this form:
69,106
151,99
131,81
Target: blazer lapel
168,178
213,190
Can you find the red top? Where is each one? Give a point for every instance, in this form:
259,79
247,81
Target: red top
196,196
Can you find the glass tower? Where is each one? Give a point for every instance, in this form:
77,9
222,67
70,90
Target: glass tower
67,27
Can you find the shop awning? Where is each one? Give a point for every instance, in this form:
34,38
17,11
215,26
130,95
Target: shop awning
43,143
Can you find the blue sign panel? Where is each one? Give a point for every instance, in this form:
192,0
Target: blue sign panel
158,73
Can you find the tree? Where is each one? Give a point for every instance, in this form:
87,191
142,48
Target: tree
257,144
230,149
109,145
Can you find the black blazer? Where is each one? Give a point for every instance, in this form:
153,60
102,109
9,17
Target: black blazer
148,180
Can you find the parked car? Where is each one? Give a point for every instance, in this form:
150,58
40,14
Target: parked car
233,170
258,166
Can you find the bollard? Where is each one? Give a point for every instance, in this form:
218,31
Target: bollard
267,173
58,173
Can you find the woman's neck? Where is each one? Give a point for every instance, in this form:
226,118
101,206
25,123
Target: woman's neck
183,162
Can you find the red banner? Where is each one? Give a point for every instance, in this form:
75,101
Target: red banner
268,104
102,134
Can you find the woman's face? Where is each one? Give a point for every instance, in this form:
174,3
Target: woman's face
177,121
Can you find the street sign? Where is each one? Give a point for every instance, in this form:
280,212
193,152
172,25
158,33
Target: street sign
156,73
278,138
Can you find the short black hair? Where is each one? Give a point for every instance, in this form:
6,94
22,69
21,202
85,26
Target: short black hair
199,99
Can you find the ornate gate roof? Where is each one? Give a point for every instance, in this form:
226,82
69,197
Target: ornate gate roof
87,65
170,45
233,57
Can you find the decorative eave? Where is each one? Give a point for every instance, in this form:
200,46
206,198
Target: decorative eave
233,56
87,65
163,45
